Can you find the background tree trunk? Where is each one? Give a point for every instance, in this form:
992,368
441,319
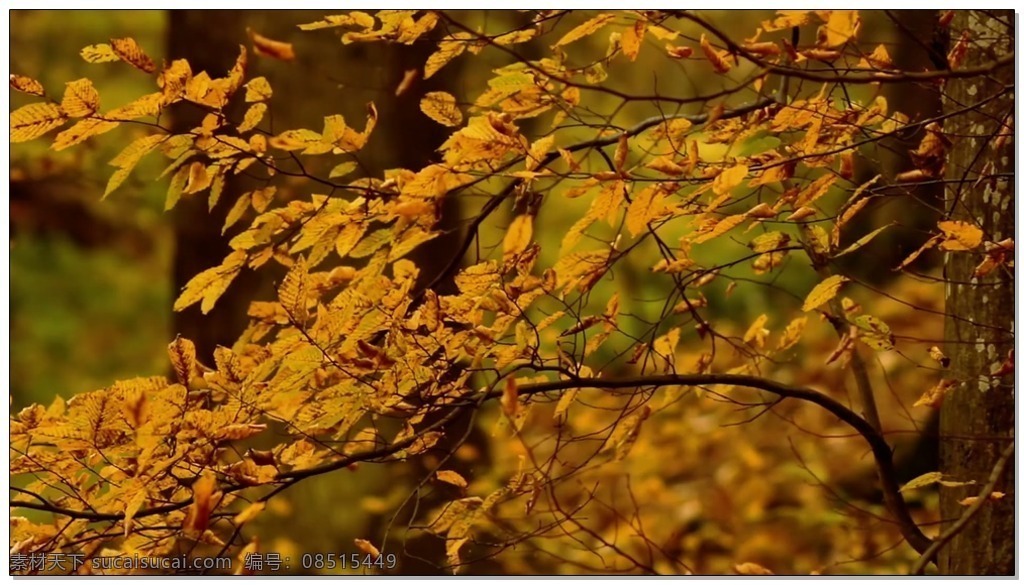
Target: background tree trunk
977,419
326,78
209,40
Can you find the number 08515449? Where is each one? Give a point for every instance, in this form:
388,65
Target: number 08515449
348,561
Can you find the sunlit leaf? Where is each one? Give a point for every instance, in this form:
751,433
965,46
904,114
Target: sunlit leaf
960,235
34,120
823,292
441,107
586,29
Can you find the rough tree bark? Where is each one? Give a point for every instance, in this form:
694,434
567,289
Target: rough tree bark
977,419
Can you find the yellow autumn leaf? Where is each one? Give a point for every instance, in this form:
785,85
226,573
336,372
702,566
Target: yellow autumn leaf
586,29
757,333
874,332
293,292
252,117
250,512
451,477
647,205
878,59
518,235
132,508
448,49
258,89
791,335
510,398
718,62
677,52
81,132
515,37
538,150
842,25
237,432
769,242
101,53
34,120
129,157
129,51
787,19
960,236
922,481
729,179
665,346
205,498
815,190
26,85
665,164
210,284
442,108
176,188
182,354
626,433
633,37
147,105
934,396
621,152
824,292
863,241
762,211
714,228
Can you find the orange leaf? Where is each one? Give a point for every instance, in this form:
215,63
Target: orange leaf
450,477
714,57
26,85
960,236
205,498
366,547
934,396
510,397
266,47
678,52
751,569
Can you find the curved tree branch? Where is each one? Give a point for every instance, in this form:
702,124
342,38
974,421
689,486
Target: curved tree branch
879,448
943,539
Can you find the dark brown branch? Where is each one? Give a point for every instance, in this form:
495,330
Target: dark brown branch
879,448
886,77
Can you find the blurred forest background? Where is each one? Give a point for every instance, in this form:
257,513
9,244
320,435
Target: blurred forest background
93,281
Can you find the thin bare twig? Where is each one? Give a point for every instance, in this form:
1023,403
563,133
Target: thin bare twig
943,539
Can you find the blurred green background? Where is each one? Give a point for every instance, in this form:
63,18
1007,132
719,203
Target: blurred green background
90,280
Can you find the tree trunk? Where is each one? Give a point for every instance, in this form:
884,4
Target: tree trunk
977,418
326,78
209,40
